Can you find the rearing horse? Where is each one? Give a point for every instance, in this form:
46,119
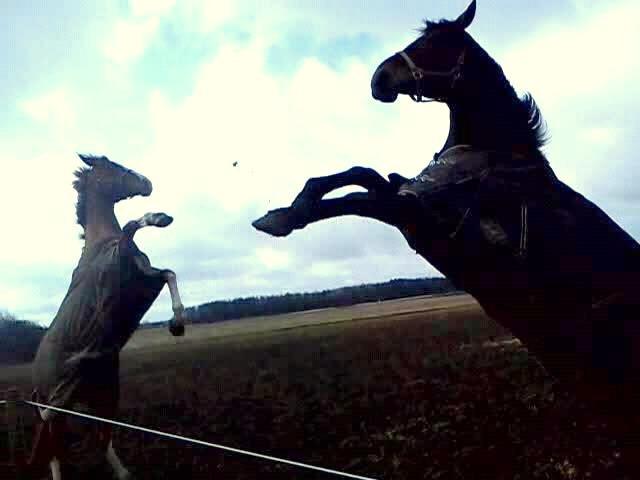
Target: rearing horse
491,215
113,286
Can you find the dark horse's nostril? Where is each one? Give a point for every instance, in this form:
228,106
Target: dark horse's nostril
381,80
148,187
382,85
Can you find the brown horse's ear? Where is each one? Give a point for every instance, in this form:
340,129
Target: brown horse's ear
92,160
465,19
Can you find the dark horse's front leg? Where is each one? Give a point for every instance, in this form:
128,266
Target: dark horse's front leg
380,202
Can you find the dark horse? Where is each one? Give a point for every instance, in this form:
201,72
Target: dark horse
490,214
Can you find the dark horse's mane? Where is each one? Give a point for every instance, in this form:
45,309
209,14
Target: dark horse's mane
526,119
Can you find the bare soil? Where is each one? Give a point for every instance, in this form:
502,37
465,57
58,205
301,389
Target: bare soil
422,388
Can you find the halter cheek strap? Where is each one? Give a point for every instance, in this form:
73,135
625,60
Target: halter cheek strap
419,74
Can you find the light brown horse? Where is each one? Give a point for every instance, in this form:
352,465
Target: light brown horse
77,363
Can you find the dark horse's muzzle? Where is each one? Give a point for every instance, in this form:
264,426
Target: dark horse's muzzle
383,82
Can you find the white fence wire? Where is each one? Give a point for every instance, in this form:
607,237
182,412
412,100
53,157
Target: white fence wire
193,440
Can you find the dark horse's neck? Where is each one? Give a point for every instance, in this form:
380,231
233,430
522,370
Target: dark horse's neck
488,115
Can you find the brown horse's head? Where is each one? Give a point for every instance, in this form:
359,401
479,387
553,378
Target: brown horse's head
112,180
106,182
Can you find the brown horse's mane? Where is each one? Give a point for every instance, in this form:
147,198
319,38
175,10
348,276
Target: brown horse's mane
80,186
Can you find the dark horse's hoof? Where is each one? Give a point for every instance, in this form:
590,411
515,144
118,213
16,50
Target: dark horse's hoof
279,222
176,329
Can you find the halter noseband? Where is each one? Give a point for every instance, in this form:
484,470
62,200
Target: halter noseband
418,74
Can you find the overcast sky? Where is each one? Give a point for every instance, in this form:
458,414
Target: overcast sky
179,90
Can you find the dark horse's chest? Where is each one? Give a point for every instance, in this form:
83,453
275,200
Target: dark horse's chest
519,228
471,200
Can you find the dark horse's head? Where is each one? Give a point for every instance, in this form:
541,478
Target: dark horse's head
431,66
446,64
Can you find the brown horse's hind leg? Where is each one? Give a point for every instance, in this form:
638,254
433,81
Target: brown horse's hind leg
176,326
42,451
119,470
46,449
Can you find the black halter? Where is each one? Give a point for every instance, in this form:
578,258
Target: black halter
418,74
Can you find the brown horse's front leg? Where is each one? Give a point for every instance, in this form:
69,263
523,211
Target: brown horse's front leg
147,220
309,207
176,325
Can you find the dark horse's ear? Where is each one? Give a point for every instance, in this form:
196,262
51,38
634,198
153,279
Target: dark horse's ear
92,160
464,20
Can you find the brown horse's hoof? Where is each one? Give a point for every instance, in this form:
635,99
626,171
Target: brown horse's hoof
176,329
158,219
279,222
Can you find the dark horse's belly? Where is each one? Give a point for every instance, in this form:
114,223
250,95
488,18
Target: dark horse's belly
582,270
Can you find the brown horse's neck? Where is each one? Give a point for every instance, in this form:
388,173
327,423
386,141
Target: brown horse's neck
101,222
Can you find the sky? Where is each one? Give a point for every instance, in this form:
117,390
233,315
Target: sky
179,90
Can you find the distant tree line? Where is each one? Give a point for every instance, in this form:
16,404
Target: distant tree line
295,302
19,339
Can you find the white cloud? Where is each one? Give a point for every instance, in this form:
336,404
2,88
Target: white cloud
54,107
576,71
281,130
328,270
214,14
129,39
600,136
593,57
318,121
205,16
12,295
141,8
42,211
272,258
